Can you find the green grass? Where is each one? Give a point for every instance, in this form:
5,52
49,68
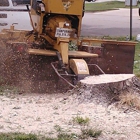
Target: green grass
65,136
17,136
6,89
137,60
90,132
84,135
86,132
80,120
105,6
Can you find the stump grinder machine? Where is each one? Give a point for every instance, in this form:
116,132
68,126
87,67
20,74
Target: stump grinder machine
41,59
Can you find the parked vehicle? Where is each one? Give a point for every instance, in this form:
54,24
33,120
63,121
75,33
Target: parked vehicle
10,14
17,2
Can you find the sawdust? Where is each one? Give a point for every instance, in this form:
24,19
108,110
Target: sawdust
40,113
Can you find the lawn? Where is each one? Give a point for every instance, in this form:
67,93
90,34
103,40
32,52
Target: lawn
137,60
105,6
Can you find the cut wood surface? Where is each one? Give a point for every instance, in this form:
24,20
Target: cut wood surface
106,78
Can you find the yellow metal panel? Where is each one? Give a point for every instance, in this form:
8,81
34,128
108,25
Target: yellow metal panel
74,54
81,54
73,7
41,52
62,47
79,66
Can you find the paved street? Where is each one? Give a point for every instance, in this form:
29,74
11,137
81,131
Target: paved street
108,0
112,23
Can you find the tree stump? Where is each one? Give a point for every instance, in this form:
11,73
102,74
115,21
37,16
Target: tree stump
106,87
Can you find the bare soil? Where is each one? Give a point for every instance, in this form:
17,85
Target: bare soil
40,113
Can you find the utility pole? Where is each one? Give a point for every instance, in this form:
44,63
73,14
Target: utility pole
130,19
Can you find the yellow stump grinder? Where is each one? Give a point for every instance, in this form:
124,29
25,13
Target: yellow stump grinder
42,60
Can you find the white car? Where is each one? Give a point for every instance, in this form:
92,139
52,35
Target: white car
14,15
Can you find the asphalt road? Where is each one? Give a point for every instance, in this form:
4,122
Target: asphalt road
112,23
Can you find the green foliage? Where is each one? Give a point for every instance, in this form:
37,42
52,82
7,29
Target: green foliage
90,132
50,138
58,128
17,136
6,89
72,46
119,38
105,6
65,136
137,60
85,134
81,120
